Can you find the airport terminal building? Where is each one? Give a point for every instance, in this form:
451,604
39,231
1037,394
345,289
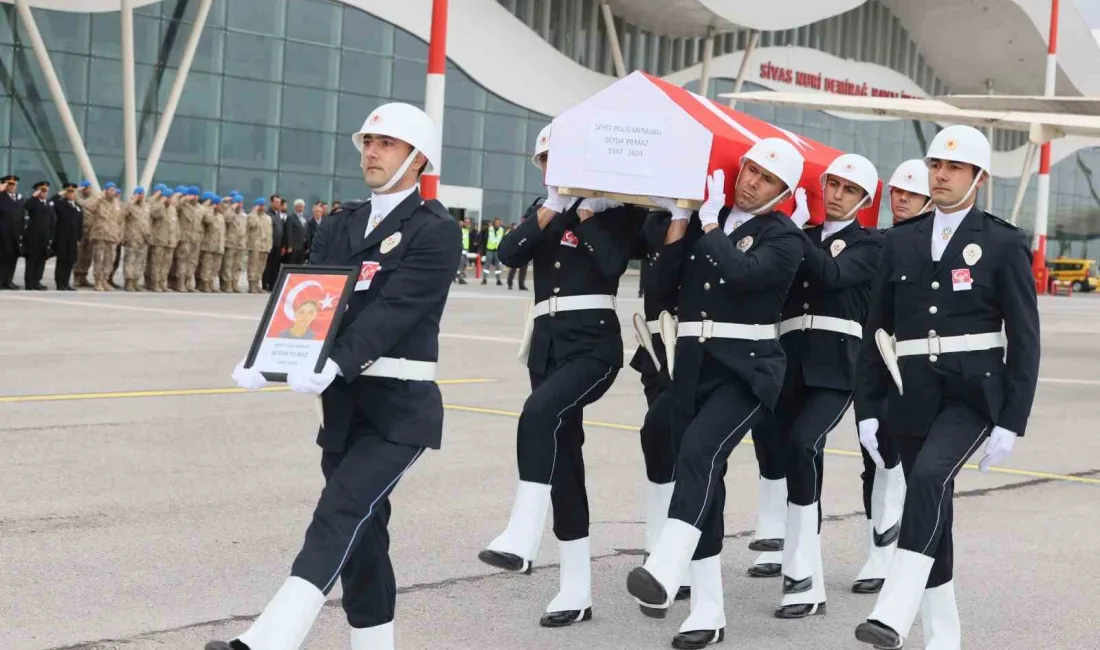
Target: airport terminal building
277,86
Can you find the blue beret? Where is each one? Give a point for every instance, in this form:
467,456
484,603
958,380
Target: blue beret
192,191
260,201
139,190
182,189
161,187
110,186
85,183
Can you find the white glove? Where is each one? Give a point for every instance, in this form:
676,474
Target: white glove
868,437
248,378
556,202
598,205
307,381
716,198
678,213
801,214
998,448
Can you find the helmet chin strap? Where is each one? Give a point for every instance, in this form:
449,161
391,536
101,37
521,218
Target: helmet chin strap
949,208
767,206
398,174
856,208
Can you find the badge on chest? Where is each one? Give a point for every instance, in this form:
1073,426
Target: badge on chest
569,239
366,275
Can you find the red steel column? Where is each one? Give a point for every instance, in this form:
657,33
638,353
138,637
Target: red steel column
1042,207
433,99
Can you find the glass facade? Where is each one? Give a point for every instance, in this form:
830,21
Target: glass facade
275,90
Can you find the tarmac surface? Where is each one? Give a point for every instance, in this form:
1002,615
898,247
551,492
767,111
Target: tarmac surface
148,504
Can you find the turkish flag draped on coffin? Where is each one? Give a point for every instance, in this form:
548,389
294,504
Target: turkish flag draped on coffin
642,136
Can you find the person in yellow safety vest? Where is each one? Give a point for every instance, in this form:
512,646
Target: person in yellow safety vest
492,243
460,275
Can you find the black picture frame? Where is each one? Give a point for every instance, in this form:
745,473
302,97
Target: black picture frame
350,274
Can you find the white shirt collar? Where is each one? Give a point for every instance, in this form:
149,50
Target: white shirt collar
735,220
944,227
381,205
830,228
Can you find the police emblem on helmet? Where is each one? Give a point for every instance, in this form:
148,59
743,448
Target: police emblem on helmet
375,119
542,140
908,178
848,167
773,155
950,145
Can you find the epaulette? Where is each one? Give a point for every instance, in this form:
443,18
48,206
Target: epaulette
350,206
1000,221
912,220
438,209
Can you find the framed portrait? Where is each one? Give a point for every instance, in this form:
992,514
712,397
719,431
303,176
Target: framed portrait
301,319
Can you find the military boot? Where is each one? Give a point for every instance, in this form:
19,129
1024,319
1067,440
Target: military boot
82,281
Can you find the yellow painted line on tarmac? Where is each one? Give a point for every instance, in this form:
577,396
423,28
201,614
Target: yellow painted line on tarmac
183,392
833,452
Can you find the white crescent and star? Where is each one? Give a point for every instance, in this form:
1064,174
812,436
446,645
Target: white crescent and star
292,295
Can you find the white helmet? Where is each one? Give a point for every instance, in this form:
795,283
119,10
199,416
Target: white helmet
964,144
961,143
911,176
854,168
407,123
542,144
780,158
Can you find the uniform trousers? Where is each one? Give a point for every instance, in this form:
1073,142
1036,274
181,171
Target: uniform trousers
803,418
930,465
770,448
103,260
83,257
210,266
161,260
710,416
63,271
256,262
890,457
34,269
194,252
656,432
550,436
181,264
231,269
7,268
348,537
133,268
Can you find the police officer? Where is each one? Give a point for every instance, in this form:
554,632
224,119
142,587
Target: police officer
11,230
733,268
539,160
574,352
649,361
493,238
950,280
884,489
820,332
382,407
38,235
70,225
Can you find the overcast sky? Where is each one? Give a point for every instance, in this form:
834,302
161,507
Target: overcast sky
1090,9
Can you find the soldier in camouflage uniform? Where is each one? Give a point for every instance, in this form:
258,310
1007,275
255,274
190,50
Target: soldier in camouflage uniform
136,237
197,230
213,242
259,237
188,213
84,248
105,213
171,216
235,239
161,214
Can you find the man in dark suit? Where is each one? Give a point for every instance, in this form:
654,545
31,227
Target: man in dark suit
950,281
313,224
820,332
11,230
296,234
70,226
579,249
381,405
884,488
278,245
38,235
730,270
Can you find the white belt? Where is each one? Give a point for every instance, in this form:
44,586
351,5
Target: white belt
573,303
404,369
709,329
654,326
826,323
947,344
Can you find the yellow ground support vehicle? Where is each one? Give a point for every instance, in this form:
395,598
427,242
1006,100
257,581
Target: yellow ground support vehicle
1081,274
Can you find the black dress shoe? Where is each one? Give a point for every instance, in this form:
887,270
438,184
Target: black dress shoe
766,545
698,639
223,645
792,586
41,287
879,635
800,611
651,596
566,618
766,570
872,586
683,593
506,561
